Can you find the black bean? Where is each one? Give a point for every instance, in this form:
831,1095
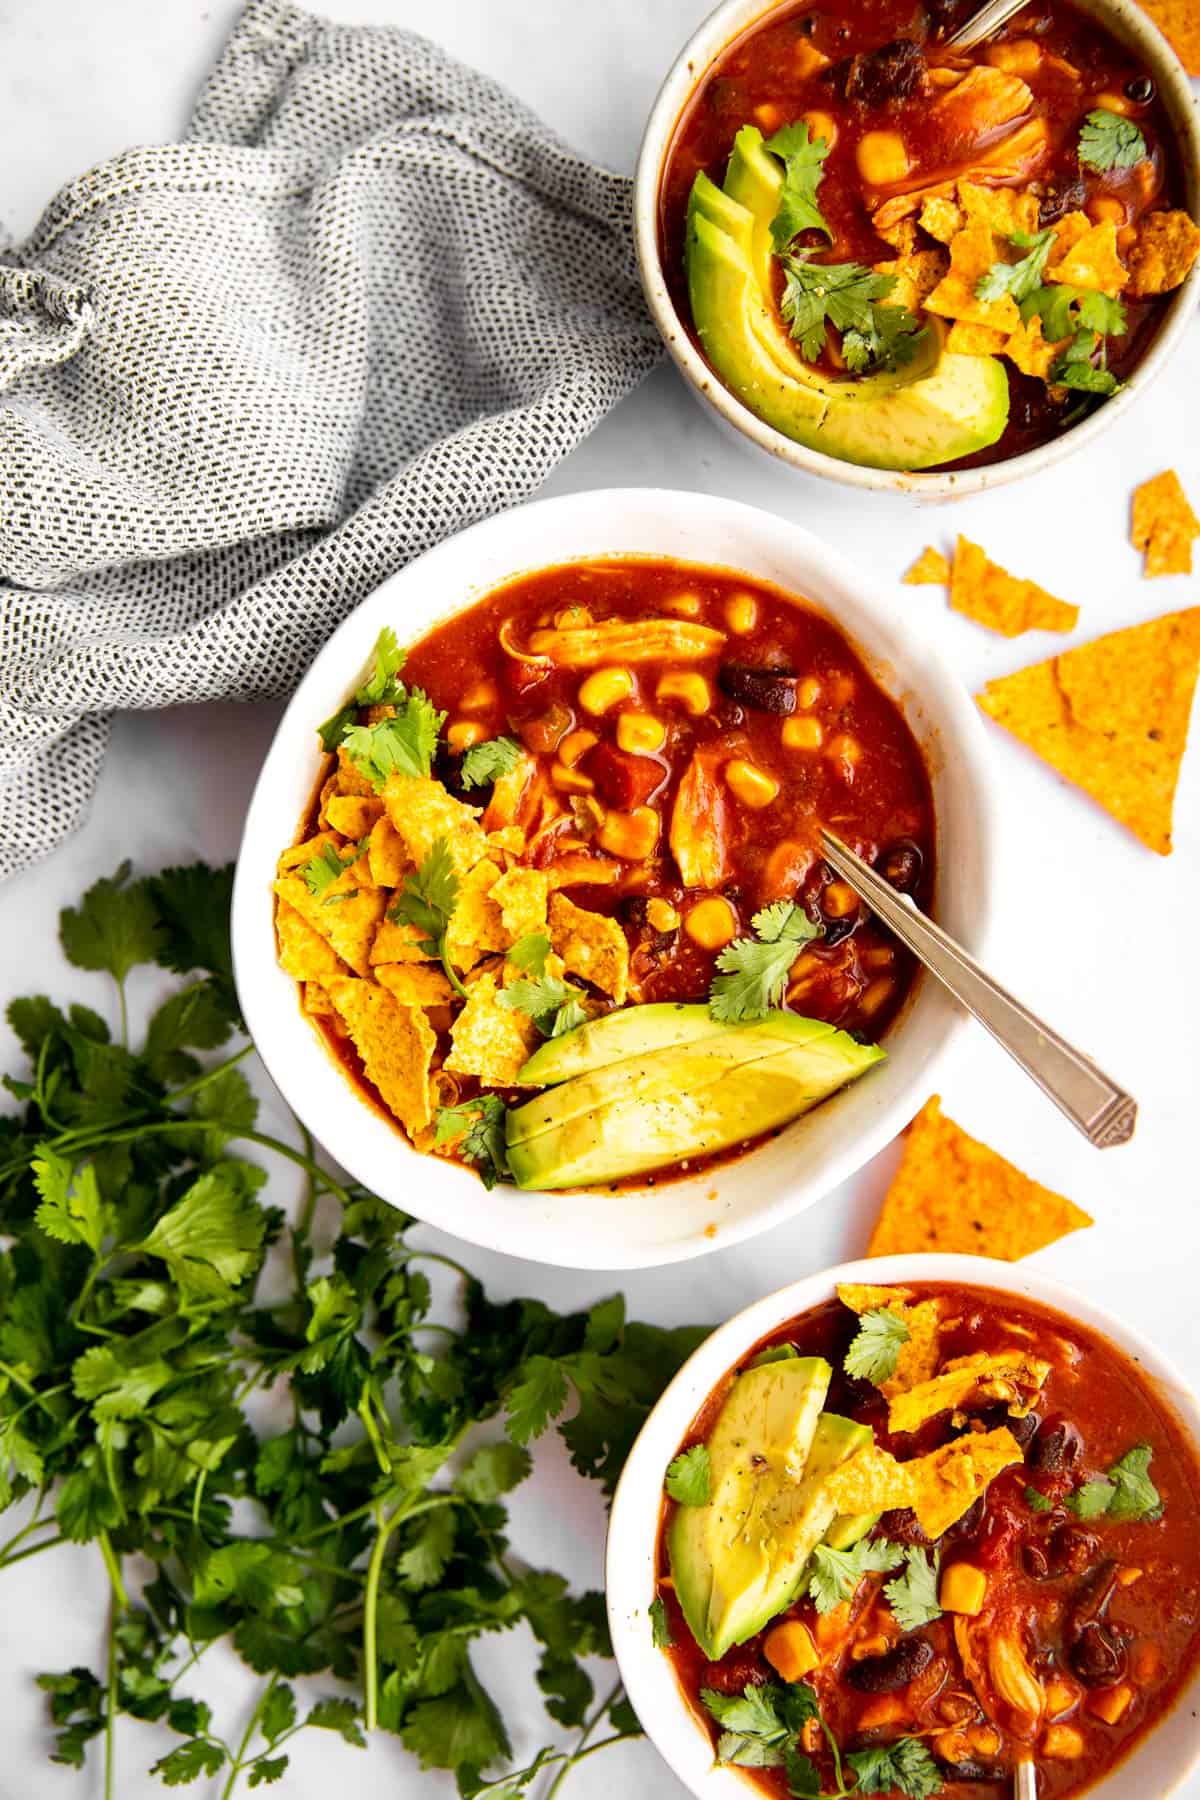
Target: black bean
970,1771
969,1525
901,1526
1097,1656
807,25
1056,1447
1071,1550
894,1669
1141,89
837,929
1056,201
1024,1430
900,865
893,72
1036,1561
447,768
768,690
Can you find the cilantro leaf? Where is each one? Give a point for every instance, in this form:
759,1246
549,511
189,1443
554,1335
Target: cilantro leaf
913,1596
802,158
554,1006
483,1121
529,954
1018,279
1064,309
875,1349
833,1575
849,296
1075,369
188,1762
803,1776
752,1732
1108,141
341,1716
485,763
322,870
402,745
1037,1501
71,1209
194,1018
660,1625
212,1237
889,338
115,927
494,1469
380,688
754,970
1091,1500
193,904
689,1476
538,1396
460,1726
427,900
903,1766
1136,1496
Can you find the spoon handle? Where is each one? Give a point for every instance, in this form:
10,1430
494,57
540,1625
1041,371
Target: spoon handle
1104,1112
989,18
1026,1780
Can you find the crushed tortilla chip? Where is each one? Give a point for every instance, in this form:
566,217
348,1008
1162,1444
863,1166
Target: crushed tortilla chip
1010,1376
578,869
975,340
350,780
422,812
296,855
1028,349
490,1040
522,896
983,591
941,217
316,1001
397,941
1067,233
415,984
1006,210
930,568
972,252
916,274
353,814
303,952
918,1357
591,945
953,1193
1092,262
939,1487
901,234
509,838
1164,525
348,923
1166,246
475,924
865,1296
396,1045
387,856
1112,716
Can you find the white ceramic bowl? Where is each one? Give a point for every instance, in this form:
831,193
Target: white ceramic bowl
638,1227
1130,26
1161,1761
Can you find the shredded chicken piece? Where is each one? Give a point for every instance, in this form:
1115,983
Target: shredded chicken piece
984,100
699,824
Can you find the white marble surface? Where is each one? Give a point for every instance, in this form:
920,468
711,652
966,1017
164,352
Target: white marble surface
1092,928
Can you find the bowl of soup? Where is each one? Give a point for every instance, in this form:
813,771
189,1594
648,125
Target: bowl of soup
895,263
905,1524
531,921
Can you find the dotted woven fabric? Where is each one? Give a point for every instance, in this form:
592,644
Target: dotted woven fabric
369,300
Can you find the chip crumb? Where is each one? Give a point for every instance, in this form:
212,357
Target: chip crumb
931,568
1163,251
591,945
1164,525
304,953
952,1193
386,854
415,984
1179,21
1092,261
346,917
353,814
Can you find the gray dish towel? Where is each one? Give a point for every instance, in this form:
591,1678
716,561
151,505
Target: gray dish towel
244,378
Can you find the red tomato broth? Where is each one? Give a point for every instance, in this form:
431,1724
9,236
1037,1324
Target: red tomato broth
758,73
1101,1391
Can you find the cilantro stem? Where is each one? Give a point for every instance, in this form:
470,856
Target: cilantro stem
371,1613
120,1601
240,1759
366,1414
581,1745
451,972
202,1080
7,1561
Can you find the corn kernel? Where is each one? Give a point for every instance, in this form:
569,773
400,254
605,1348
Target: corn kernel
575,745
1126,1577
465,732
1020,56
571,781
741,613
808,693
1110,1704
1105,207
481,696
604,689
802,734
821,125
632,835
808,59
752,785
1061,1698
880,957
790,1650
572,618
690,689
875,995
881,158
839,900
963,1588
1114,103
1063,1743
661,915
1145,1661
768,115
640,733
686,606
877,1645
711,923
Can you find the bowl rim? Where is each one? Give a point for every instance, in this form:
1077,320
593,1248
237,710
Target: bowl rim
630,1549
611,522
727,21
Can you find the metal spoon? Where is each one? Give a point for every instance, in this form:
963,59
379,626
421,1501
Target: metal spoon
1025,1787
1104,1112
988,19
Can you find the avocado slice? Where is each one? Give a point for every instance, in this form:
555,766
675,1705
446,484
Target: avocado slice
740,1560
719,1560
630,1031
692,1099
937,408
848,1528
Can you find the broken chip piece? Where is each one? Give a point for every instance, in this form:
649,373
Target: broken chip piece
1164,525
981,590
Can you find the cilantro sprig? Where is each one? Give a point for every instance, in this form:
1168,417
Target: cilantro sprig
356,1532
1109,141
554,1005
875,1348
1125,1493
485,763
1018,279
381,687
833,1575
913,1596
689,1476
851,298
802,157
427,900
479,1124
401,745
753,971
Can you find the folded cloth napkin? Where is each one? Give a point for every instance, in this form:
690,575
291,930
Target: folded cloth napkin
244,378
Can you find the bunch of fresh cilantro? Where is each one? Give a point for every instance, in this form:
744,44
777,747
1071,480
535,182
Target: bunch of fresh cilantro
147,1295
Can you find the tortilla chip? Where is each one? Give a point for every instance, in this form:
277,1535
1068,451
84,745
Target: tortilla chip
490,1041
917,273
353,814
348,923
578,869
975,340
415,984
941,217
1028,349
396,1045
316,1001
1112,717
939,1487
509,838
1164,525
296,855
953,1193
387,856
1166,246
1017,1379
475,924
1093,261
1067,233
972,252
1179,21
349,780
422,812
864,1296
919,1355
522,896
591,945
304,953
1004,210
930,568
901,234
396,941
983,591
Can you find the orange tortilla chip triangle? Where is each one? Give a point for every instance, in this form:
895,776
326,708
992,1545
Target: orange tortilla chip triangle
1179,20
953,1193
1112,716
983,591
1164,525
930,567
